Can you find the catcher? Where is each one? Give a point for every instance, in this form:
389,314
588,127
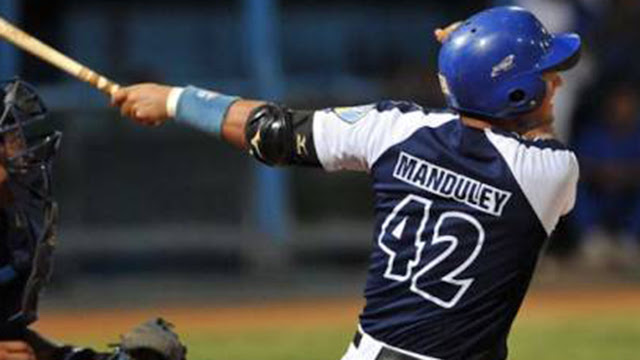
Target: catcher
28,217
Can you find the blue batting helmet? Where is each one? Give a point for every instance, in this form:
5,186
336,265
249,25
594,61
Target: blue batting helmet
492,65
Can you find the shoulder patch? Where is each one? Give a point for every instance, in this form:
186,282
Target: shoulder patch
352,114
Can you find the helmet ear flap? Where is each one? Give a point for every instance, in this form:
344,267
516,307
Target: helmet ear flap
523,94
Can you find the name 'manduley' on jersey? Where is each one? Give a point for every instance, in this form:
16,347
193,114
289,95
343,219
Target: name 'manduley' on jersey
449,184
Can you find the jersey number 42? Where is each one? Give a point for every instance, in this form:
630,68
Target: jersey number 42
457,239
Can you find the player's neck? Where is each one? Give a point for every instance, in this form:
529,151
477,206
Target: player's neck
542,131
475,123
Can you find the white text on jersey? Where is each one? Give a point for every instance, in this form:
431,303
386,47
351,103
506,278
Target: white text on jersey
449,184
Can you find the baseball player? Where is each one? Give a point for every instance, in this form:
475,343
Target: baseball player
464,197
27,237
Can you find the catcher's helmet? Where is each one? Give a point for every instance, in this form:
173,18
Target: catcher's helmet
27,210
492,65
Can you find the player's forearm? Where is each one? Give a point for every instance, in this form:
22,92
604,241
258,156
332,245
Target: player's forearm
235,122
221,115
272,133
16,350
26,344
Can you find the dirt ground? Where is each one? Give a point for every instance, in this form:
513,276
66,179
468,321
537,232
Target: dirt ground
315,313
293,314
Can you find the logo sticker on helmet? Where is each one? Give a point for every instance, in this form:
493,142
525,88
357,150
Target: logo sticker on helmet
505,65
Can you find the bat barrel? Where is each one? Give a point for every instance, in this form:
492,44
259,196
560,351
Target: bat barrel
45,52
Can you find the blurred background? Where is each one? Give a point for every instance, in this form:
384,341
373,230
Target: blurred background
169,215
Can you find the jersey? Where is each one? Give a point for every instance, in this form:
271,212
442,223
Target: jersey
461,215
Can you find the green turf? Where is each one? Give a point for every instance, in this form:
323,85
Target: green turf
595,337
592,336
576,339
319,344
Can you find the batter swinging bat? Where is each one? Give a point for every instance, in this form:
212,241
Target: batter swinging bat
45,52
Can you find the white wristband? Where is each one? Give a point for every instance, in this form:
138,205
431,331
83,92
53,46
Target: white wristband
172,101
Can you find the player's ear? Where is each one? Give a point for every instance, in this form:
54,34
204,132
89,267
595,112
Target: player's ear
556,79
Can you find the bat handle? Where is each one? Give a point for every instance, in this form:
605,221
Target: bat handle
102,83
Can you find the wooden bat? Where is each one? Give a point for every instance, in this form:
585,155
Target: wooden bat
45,52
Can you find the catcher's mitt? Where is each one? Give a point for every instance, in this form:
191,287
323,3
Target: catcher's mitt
152,340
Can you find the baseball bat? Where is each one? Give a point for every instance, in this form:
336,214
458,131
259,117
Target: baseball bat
45,52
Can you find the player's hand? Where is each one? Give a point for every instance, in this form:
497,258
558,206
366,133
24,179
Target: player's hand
145,103
16,350
442,34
